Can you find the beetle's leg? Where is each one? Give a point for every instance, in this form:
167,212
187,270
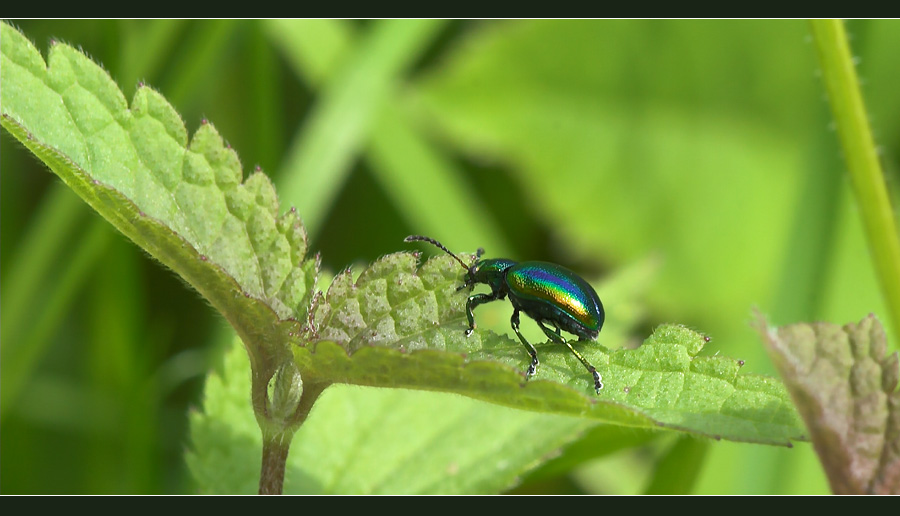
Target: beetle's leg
471,303
531,351
557,329
554,336
557,338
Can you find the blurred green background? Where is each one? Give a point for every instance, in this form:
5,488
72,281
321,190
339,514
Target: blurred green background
704,145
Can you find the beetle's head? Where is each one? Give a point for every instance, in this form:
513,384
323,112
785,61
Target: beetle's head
473,272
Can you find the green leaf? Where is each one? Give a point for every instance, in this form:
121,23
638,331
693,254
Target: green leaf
226,443
402,327
181,201
846,390
366,440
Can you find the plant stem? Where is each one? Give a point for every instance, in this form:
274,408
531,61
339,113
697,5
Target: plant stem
841,82
274,458
277,444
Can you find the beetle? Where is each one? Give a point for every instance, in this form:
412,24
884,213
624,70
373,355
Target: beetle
546,292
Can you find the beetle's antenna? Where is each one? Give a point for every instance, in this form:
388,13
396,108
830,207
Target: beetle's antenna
420,238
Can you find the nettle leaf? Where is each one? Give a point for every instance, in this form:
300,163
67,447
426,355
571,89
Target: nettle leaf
846,389
183,202
399,326
382,441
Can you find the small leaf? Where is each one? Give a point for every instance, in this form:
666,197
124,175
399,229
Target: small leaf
846,389
226,444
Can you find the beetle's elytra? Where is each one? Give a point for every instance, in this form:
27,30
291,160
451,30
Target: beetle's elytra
546,292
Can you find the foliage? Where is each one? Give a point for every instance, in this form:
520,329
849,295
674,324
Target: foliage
515,172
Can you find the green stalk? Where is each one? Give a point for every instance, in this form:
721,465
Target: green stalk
866,176
277,432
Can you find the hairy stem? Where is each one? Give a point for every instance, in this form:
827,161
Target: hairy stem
839,74
274,457
277,444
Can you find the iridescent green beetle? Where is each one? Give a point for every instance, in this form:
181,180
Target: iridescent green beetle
546,292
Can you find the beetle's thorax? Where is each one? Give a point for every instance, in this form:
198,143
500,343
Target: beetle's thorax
491,272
